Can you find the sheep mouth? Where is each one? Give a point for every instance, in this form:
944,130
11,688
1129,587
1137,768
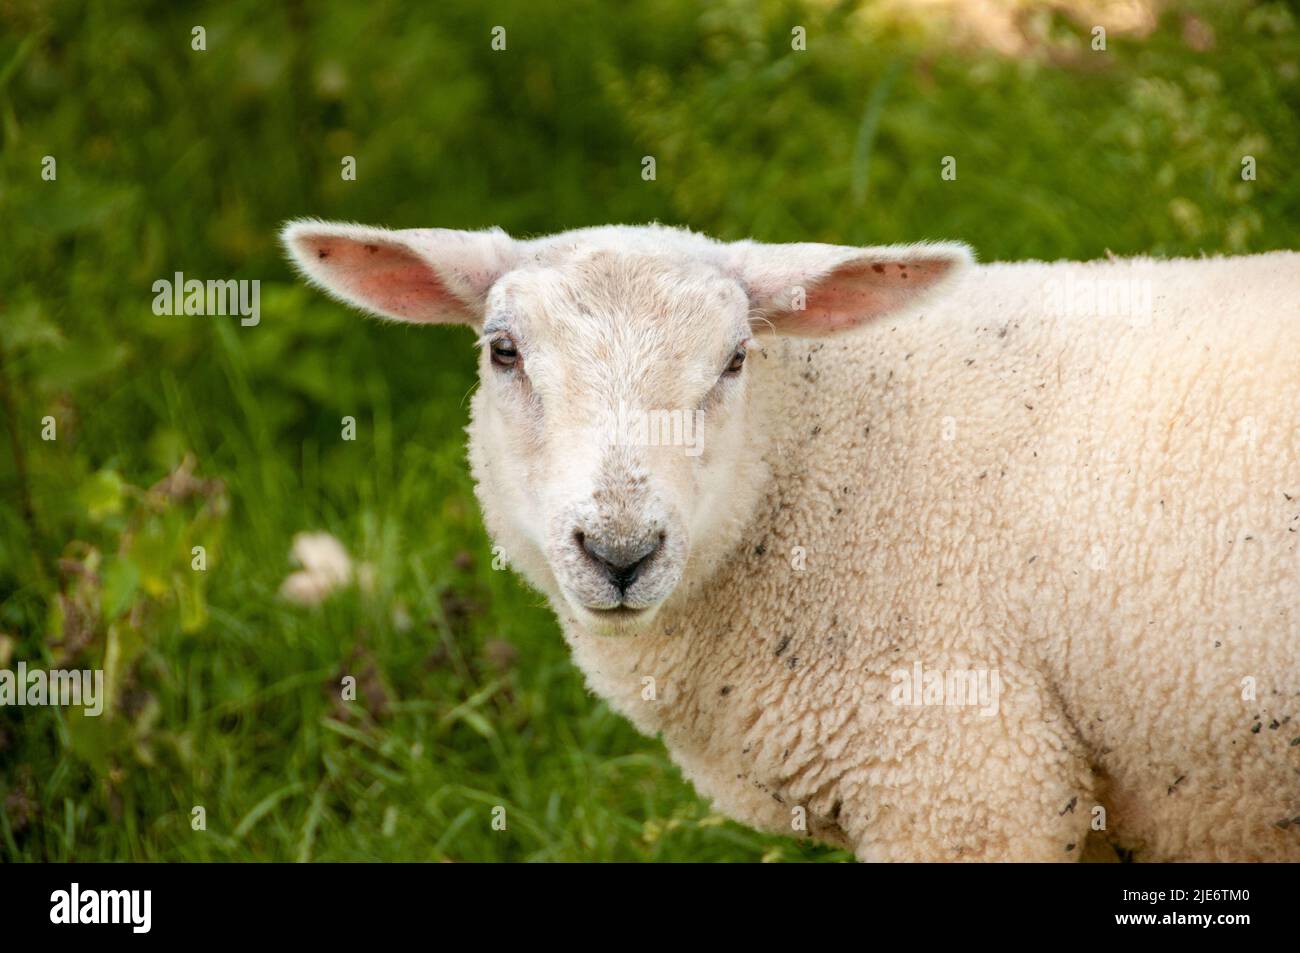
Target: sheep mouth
618,612
619,619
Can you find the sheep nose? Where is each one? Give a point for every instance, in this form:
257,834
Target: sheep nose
623,561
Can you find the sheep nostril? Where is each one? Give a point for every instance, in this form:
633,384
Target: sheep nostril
622,562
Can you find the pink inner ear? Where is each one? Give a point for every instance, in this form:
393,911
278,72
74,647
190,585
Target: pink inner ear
859,292
383,277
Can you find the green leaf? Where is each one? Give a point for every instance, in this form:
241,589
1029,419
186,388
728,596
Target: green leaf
192,600
121,583
102,495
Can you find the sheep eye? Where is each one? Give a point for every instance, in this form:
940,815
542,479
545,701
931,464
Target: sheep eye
737,361
503,351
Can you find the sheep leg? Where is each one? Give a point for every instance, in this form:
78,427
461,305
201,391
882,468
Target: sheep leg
965,785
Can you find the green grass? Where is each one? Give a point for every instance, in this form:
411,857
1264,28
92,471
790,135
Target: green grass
224,696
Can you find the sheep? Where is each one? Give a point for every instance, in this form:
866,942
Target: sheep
971,562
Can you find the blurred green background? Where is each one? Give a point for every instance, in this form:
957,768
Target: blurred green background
225,696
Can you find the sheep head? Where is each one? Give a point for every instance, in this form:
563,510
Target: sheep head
615,437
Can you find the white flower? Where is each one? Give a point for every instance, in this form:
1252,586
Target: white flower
326,566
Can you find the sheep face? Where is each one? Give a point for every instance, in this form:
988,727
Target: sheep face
611,418
614,439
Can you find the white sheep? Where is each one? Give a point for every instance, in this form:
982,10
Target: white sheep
1000,570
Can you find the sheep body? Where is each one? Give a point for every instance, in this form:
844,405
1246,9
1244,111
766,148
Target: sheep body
1101,512
1001,574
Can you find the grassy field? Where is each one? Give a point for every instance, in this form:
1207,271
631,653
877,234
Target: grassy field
223,696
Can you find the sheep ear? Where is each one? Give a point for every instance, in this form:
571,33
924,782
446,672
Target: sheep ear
422,275
810,290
